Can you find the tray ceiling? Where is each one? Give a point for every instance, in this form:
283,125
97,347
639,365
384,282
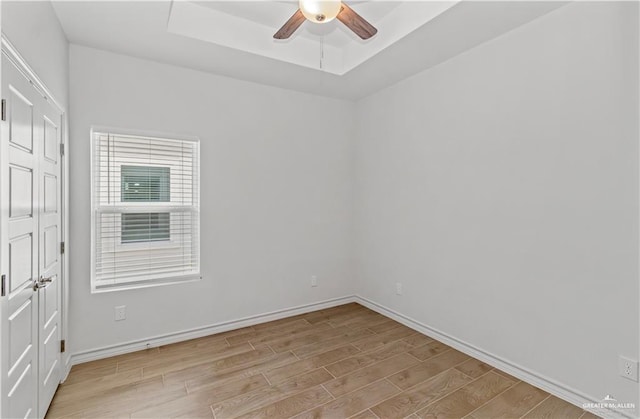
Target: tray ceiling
249,26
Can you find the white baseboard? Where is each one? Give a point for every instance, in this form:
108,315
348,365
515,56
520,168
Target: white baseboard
132,346
547,384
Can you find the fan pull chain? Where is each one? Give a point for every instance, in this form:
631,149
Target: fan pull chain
322,52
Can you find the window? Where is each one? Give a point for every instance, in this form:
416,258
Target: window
146,213
144,184
140,227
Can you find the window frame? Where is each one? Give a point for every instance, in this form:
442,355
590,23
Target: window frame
136,206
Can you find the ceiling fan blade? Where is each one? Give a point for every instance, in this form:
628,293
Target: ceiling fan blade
290,26
356,23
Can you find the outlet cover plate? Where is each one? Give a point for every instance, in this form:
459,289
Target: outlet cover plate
398,288
628,368
120,313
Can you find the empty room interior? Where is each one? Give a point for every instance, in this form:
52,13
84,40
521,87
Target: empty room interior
319,209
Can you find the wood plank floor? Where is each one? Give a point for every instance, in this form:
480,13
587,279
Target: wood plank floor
342,362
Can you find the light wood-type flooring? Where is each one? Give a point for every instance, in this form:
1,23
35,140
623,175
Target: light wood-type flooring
341,362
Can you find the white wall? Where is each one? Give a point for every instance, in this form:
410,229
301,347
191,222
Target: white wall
33,28
501,189
276,195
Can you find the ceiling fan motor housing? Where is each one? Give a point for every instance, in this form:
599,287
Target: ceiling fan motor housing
320,11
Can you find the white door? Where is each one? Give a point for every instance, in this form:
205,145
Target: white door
29,245
49,285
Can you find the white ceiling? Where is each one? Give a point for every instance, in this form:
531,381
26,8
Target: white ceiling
234,38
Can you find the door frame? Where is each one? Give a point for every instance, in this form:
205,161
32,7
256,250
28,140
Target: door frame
13,55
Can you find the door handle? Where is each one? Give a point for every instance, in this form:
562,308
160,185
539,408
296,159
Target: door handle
42,282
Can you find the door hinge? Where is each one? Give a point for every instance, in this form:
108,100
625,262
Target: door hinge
63,344
62,248
3,286
61,149
3,112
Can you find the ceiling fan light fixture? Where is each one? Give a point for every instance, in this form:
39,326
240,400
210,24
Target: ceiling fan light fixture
320,11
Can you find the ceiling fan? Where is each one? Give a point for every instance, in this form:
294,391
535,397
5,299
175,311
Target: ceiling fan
323,11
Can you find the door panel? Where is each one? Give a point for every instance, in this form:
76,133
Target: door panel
20,400
21,121
20,268
19,343
50,195
20,192
30,229
50,303
51,141
50,247
51,361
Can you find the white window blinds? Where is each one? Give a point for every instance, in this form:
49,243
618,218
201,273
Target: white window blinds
146,212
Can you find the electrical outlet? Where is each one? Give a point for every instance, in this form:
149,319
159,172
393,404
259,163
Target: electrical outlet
398,288
120,313
628,368
314,281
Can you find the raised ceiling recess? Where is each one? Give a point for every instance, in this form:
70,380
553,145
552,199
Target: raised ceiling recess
331,47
